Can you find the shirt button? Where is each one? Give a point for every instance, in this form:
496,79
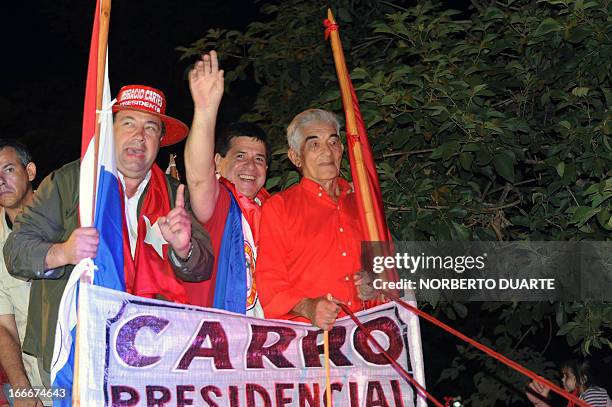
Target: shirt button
338,207
344,254
341,230
320,194
349,303
347,278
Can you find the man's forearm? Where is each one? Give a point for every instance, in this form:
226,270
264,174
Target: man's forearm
11,357
304,308
55,257
200,164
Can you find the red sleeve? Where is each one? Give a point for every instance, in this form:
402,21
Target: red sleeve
276,290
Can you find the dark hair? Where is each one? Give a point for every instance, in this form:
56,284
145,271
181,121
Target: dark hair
23,153
240,129
584,372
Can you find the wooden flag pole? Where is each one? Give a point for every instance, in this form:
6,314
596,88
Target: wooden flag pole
328,395
105,9
104,22
351,127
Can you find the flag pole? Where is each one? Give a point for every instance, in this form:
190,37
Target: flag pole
351,129
105,8
328,395
366,184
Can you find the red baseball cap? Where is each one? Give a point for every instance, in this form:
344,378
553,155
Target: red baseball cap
153,101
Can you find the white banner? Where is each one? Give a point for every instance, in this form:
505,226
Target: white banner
139,352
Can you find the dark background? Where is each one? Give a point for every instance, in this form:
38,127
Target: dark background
45,46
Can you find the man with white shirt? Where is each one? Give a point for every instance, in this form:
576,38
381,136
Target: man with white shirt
47,241
16,173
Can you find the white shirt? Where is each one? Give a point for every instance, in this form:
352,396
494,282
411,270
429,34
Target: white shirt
14,300
131,209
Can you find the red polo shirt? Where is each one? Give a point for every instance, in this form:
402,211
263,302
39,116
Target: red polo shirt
309,246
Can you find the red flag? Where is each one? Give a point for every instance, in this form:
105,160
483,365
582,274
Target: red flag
96,85
91,86
373,185
363,169
365,179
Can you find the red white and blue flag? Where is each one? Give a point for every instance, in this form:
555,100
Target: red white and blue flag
99,206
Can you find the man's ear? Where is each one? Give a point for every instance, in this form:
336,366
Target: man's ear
31,170
218,160
294,157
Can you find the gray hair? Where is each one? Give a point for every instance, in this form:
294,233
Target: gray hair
294,130
23,153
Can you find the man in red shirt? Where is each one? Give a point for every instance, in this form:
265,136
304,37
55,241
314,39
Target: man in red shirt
310,235
240,157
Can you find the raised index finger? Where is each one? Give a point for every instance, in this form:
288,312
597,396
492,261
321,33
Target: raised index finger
180,197
214,61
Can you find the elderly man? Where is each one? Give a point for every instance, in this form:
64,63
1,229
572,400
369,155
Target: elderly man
16,174
228,206
310,236
47,241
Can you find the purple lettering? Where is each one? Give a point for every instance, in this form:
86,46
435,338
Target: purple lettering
375,390
127,335
204,391
354,394
219,349
387,327
274,352
153,400
397,393
279,389
312,351
233,392
251,389
334,387
306,395
181,398
118,393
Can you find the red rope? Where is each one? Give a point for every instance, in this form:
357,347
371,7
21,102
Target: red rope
396,365
487,350
329,27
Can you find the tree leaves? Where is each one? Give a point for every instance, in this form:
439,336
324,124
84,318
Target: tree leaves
504,166
492,125
547,26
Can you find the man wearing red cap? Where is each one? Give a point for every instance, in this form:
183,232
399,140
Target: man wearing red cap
47,241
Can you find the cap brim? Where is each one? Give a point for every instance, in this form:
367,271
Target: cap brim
176,130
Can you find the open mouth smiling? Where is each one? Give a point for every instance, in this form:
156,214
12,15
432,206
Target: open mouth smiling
245,177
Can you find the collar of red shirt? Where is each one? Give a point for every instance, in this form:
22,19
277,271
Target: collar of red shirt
314,188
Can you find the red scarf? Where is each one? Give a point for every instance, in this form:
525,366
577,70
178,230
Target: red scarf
571,403
250,209
148,275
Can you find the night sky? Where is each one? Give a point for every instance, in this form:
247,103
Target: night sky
45,49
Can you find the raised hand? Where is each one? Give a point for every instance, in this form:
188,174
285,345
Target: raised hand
175,227
206,82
